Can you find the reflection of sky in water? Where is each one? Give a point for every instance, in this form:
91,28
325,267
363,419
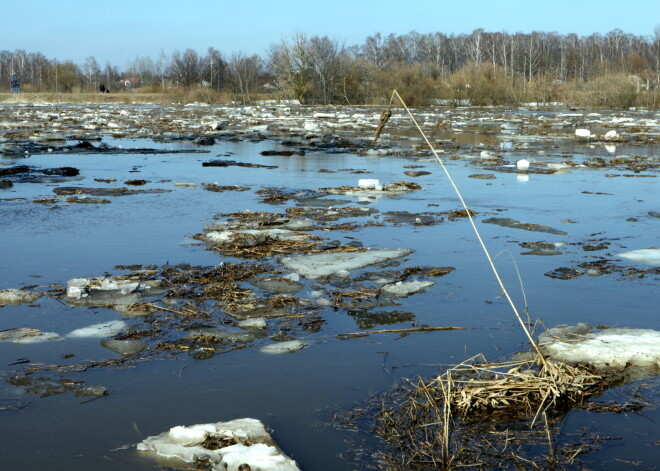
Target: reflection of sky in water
80,240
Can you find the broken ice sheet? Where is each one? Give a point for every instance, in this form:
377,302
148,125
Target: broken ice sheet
615,348
15,297
325,264
102,329
650,256
25,335
241,444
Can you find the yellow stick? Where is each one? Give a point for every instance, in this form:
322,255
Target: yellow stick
476,231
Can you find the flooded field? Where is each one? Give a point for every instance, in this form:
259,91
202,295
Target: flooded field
195,264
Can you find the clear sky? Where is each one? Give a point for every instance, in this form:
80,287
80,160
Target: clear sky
119,30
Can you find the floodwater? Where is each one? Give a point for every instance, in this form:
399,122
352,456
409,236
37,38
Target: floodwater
296,394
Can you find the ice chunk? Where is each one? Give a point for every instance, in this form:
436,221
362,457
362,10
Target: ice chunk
402,289
607,349
257,456
310,126
189,436
24,335
325,264
611,135
125,347
370,184
257,323
78,288
290,346
234,445
219,125
15,297
582,133
522,165
650,256
253,237
102,329
278,284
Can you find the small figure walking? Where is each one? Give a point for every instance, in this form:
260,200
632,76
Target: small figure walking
15,85
102,88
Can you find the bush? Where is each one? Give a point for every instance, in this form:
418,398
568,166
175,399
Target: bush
482,84
609,91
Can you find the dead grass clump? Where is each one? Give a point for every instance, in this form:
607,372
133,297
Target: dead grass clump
270,248
273,195
347,299
516,389
217,282
485,415
221,188
461,213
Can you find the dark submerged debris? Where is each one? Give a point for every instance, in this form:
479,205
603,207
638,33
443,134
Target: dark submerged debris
540,248
564,273
512,223
78,190
44,387
229,163
282,153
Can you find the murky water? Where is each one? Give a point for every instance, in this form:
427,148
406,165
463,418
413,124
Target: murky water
296,394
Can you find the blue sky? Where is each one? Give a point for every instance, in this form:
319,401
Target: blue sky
119,30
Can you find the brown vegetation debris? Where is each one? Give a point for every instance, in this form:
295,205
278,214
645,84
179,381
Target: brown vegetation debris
270,248
183,281
220,188
461,213
483,415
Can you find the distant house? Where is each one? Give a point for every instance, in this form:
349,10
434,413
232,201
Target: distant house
129,83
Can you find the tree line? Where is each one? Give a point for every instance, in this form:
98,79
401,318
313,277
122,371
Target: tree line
482,68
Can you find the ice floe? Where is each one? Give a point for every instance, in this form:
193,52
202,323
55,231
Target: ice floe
15,297
102,329
614,348
325,264
289,346
401,289
24,335
242,444
650,256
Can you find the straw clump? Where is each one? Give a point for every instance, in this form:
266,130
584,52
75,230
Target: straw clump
481,414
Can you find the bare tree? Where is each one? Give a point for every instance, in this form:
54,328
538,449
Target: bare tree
374,51
475,46
215,69
161,67
186,69
243,75
325,61
290,63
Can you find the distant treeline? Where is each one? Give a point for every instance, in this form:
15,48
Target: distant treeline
483,68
